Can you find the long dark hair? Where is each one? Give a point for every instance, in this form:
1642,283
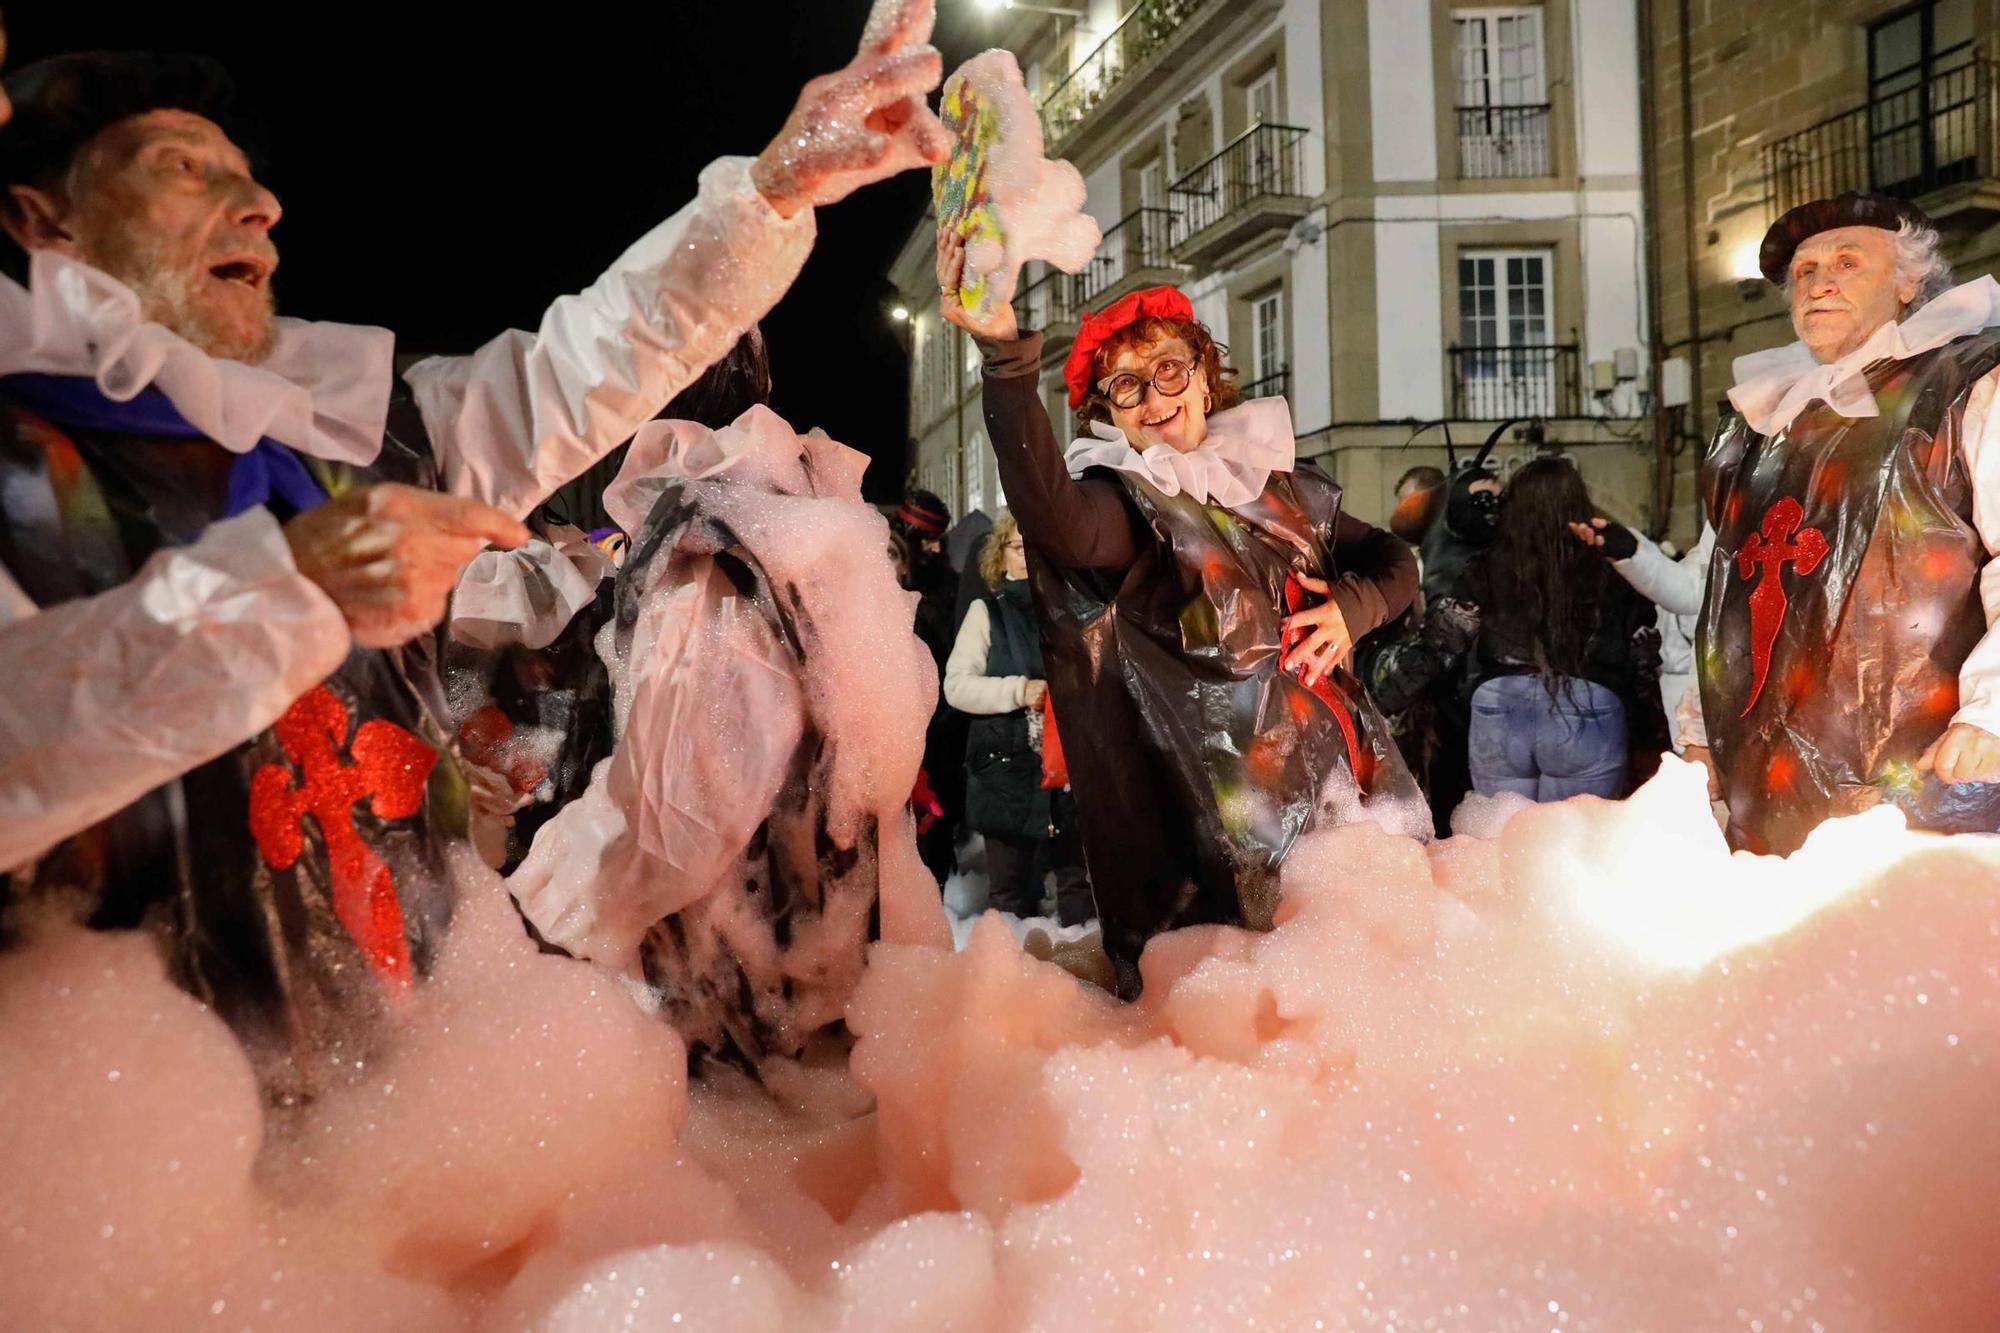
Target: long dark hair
1542,572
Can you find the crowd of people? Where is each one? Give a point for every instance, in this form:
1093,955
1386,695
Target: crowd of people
284,628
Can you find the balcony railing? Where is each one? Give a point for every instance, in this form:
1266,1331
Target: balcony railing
1277,384
1145,29
1500,383
1265,162
1047,302
1143,240
1497,142
1140,247
1908,143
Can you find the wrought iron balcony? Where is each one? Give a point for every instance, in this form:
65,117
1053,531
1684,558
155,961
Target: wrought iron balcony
1148,28
1137,252
1935,136
1500,383
1255,185
1277,384
1501,142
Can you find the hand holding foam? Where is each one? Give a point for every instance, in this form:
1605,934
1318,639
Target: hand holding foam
1009,203
864,123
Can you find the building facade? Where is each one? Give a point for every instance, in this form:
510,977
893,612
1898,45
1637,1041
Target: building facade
1755,109
1393,211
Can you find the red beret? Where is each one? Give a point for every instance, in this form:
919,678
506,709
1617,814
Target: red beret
1152,303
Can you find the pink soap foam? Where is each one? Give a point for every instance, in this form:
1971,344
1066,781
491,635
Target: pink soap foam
1590,1073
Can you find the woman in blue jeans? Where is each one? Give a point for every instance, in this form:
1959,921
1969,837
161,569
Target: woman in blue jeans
1563,671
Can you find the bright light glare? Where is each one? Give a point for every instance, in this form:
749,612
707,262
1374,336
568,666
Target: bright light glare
1743,261
900,313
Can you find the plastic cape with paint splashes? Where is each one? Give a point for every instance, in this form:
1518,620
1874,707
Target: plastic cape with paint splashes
294,879
769,701
1843,597
1196,759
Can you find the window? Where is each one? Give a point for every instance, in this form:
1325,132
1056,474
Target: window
1267,347
971,357
975,473
1261,98
1923,98
1154,227
1504,365
1153,183
1499,57
1503,114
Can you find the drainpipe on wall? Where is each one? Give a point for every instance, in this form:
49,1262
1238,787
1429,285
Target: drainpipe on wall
1697,401
1649,204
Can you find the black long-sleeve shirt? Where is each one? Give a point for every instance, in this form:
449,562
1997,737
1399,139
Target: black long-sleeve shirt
1090,524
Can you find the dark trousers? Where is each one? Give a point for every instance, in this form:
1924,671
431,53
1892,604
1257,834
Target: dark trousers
1014,871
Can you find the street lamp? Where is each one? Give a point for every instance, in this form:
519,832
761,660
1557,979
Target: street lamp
900,314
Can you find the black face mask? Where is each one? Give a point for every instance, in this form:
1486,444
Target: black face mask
1473,515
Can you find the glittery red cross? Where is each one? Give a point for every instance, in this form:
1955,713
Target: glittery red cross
1763,558
390,769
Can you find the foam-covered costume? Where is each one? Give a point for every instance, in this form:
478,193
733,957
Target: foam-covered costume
189,736
770,705
1162,580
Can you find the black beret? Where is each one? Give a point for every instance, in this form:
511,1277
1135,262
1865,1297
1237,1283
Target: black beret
1856,208
62,103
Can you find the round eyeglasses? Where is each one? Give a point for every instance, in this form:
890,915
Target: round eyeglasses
1170,377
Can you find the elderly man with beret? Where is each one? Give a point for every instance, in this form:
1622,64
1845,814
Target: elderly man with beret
1846,653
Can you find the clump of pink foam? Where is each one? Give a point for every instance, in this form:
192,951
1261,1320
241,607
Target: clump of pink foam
1591,1072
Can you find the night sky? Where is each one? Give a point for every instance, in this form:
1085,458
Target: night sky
447,178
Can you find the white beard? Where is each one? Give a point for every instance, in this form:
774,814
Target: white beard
168,295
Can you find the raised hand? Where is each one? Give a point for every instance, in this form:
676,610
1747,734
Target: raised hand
1613,541
1000,324
863,123
390,555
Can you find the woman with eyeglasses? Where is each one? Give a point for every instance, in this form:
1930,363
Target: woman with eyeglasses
1200,591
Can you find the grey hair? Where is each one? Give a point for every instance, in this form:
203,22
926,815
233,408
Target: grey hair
1919,255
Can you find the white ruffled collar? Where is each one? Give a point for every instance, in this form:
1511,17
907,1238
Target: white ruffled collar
1773,387
759,447
324,390
1244,446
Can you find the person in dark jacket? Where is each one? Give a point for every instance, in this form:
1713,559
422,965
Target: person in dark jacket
1199,591
922,521
1558,659
995,676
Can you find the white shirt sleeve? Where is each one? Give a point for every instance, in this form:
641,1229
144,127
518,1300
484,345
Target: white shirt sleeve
110,696
967,687
1979,436
527,412
1676,585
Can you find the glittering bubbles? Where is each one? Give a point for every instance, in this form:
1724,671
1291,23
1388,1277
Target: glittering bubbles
863,123
1585,1071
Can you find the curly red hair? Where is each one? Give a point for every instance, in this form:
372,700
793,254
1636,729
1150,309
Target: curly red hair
1150,331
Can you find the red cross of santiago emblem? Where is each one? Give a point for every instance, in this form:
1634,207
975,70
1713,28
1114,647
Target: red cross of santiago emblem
1763,557
390,770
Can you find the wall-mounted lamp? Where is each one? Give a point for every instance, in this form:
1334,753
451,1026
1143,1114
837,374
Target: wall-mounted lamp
1744,268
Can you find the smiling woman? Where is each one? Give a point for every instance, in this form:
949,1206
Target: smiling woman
1198,591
